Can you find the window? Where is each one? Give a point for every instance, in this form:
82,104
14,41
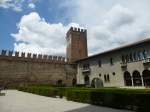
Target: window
123,59
86,66
114,73
127,58
145,54
105,78
108,79
131,57
100,75
80,51
134,56
111,61
141,55
59,82
99,63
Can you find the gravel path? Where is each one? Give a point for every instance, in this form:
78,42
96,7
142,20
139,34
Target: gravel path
17,101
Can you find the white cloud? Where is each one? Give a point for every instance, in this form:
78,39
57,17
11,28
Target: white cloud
119,16
111,24
31,5
17,5
37,36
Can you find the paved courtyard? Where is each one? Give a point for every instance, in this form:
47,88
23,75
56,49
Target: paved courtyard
17,101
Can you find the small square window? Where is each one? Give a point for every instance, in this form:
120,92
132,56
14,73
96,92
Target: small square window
114,73
111,61
99,63
100,75
105,78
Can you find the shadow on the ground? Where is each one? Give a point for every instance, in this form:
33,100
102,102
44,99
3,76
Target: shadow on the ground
92,108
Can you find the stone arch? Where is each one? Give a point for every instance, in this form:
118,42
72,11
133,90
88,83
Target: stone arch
59,82
146,77
74,81
86,80
96,82
137,81
127,79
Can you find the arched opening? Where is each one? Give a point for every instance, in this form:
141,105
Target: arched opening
127,79
96,82
73,82
86,80
59,82
137,81
146,77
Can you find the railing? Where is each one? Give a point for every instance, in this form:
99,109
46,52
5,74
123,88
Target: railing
123,65
146,61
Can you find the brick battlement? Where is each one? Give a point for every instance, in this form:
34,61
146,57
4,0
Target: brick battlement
10,55
77,29
74,29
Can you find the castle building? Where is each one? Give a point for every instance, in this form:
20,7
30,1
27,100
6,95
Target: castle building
125,66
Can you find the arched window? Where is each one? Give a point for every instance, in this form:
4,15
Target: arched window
134,56
145,54
136,78
108,78
127,58
141,55
105,78
127,79
146,77
123,59
131,57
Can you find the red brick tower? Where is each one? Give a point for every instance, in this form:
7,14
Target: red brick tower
76,44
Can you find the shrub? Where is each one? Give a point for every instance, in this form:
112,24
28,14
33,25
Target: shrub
80,85
45,91
112,97
117,98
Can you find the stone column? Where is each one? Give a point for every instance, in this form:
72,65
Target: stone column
142,81
132,80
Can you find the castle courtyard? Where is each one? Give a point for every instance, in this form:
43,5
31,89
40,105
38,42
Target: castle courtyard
17,101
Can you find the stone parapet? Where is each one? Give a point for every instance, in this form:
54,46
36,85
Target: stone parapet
74,29
22,56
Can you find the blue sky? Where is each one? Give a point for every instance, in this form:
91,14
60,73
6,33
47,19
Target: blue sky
49,9
39,26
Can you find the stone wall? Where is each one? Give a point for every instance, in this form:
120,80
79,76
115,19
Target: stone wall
21,68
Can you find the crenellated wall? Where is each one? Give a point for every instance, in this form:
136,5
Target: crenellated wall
32,57
21,68
76,30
